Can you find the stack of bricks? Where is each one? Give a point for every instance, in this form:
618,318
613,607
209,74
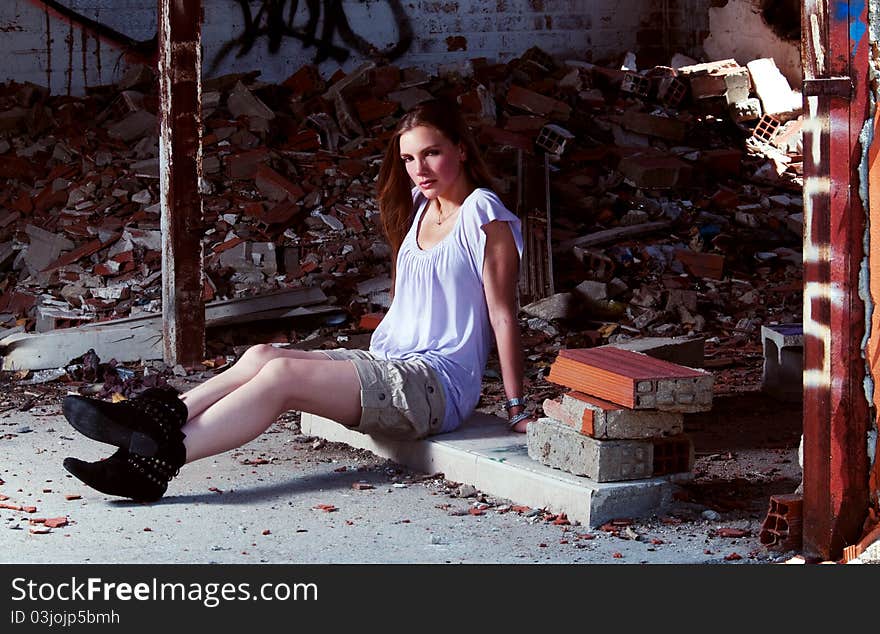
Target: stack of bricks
623,418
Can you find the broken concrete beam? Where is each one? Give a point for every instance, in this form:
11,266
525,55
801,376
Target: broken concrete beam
134,126
243,103
274,186
55,349
707,67
54,318
609,421
614,234
732,83
633,380
557,306
536,103
652,171
557,445
45,248
773,88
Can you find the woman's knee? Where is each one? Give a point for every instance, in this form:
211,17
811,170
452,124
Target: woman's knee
255,357
286,371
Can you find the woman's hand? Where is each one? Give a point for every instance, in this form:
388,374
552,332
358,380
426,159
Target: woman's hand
521,421
521,426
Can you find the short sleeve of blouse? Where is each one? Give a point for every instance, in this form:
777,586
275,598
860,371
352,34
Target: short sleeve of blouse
487,207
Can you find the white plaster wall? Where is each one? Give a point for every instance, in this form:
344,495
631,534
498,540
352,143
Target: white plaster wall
737,31
40,47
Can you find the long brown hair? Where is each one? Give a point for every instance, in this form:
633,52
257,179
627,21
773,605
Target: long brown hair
395,186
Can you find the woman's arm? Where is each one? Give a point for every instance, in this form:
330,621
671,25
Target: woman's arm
500,278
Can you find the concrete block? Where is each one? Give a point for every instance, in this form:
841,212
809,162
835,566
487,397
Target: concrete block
662,127
689,352
746,110
484,454
651,171
557,445
773,88
783,370
134,126
606,421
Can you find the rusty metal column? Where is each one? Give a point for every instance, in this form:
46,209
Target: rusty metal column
180,170
834,51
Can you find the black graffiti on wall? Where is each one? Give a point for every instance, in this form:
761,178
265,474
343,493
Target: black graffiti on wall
275,20
143,49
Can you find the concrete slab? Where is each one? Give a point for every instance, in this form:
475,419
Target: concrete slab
782,374
484,454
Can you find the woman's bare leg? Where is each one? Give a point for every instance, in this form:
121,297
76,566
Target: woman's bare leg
251,362
321,386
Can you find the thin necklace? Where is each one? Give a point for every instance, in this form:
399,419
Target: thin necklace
440,218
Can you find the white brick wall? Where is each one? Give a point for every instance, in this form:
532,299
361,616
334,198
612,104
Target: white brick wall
43,48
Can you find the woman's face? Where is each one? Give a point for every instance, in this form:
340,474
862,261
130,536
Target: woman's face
433,162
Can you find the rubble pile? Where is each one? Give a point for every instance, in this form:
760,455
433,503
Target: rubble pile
676,197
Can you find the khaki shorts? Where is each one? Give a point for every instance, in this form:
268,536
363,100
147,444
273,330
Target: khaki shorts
403,400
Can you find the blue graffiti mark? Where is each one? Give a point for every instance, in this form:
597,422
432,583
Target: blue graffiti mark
852,11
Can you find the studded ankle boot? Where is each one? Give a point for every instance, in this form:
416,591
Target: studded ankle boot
126,474
147,424
147,430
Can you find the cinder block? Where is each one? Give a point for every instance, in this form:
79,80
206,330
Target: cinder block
783,527
766,129
636,84
557,445
783,372
731,83
674,454
606,421
671,91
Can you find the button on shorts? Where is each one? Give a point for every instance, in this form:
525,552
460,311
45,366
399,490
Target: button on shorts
403,400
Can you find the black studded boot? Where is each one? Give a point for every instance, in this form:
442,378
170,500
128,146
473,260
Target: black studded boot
144,424
147,430
126,474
